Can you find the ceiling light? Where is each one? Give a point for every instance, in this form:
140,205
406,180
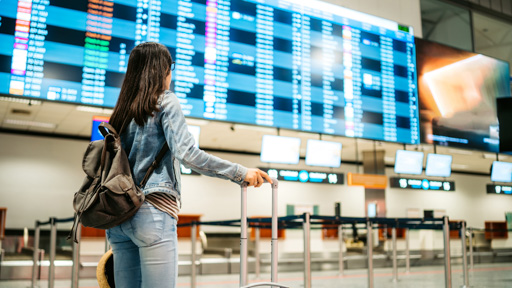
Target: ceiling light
268,130
459,166
20,100
309,135
24,112
94,109
198,122
30,123
490,156
457,151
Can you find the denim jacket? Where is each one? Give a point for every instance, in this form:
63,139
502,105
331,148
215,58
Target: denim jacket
142,144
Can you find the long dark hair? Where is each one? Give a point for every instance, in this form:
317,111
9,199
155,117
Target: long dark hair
148,66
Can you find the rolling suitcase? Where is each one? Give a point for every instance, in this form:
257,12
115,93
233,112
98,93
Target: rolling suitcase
243,241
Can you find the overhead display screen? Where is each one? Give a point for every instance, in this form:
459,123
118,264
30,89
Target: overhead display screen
457,92
438,165
280,149
96,121
323,153
501,171
409,162
301,65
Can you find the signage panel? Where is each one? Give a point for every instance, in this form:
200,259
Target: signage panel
305,176
499,189
371,181
422,184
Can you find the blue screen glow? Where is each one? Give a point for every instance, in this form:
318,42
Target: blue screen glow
299,65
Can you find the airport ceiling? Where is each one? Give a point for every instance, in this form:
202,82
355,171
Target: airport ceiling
76,121
491,37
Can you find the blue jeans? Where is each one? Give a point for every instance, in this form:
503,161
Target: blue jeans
145,250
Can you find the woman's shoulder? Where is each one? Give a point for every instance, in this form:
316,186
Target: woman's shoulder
168,98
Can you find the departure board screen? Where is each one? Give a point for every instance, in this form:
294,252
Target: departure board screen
458,91
302,65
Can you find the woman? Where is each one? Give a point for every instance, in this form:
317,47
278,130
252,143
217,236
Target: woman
148,115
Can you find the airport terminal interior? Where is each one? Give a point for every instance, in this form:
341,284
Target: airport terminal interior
385,124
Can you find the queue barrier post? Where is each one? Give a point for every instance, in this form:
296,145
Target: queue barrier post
447,256
40,266
36,254
369,243
407,254
464,254
53,248
193,271
471,248
2,254
75,270
395,266
340,260
307,250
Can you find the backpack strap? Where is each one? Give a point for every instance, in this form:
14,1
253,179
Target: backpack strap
74,230
103,129
155,164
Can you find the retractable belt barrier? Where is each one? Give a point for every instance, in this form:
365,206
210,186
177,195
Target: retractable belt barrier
38,254
305,222
470,234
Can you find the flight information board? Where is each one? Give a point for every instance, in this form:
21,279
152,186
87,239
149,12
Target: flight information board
303,65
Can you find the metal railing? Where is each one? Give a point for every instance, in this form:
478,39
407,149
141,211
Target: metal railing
470,231
38,254
306,221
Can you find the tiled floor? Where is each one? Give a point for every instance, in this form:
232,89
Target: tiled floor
483,276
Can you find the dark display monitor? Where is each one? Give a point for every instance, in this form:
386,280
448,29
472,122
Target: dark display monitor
323,153
457,92
280,149
409,162
96,121
428,214
505,123
438,165
501,171
301,65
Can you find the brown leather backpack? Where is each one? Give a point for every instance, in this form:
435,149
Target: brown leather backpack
108,196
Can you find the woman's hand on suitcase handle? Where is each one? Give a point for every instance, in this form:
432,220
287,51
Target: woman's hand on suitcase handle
255,177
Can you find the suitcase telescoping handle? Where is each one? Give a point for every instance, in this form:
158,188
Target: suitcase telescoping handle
243,240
